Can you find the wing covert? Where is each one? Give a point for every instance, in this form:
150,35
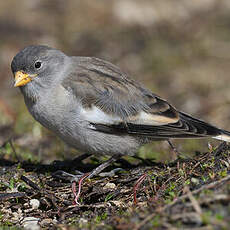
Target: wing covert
102,85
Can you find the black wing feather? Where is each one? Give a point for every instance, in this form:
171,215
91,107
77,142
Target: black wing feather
186,127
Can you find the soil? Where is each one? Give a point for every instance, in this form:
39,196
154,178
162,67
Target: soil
184,194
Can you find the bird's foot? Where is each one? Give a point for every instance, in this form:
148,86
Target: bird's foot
110,173
79,176
60,174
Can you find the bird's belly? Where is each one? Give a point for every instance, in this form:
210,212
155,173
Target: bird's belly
99,143
77,133
84,139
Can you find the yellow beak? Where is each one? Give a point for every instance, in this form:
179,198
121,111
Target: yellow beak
21,78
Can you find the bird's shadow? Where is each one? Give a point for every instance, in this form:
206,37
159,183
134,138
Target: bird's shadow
74,164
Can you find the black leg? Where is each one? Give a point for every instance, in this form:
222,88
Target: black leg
80,177
101,167
71,177
60,174
173,149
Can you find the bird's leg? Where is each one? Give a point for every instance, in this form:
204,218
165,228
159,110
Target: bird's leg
100,168
174,149
93,173
60,174
80,177
71,177
104,165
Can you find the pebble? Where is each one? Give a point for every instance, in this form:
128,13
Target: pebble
35,203
194,180
83,221
30,223
46,222
109,186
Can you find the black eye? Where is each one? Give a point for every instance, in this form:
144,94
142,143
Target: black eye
37,64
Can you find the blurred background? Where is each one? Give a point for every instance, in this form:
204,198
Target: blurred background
178,49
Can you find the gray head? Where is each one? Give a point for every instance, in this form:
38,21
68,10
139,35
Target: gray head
36,67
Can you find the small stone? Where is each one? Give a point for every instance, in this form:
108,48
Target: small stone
83,221
30,223
46,222
109,186
194,180
35,203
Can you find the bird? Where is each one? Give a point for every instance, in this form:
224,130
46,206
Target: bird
95,107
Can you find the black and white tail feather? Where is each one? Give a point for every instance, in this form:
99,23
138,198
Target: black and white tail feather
186,127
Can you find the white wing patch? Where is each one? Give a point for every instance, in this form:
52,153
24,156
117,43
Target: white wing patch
96,115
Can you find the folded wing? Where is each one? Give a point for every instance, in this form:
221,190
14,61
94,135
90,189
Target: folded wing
114,103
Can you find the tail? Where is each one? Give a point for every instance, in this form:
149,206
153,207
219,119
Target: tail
211,130
224,136
185,127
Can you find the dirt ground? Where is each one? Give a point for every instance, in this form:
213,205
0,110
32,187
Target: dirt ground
191,193
179,50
